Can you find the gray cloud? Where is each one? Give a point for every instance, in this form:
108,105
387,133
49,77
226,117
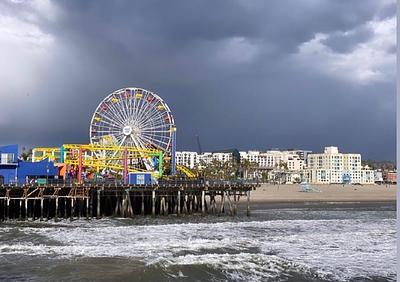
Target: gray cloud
225,68
344,42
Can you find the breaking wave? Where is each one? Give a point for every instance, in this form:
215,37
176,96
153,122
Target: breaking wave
320,250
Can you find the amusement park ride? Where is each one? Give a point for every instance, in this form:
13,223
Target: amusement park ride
132,130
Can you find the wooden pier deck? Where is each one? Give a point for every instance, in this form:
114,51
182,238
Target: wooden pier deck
114,200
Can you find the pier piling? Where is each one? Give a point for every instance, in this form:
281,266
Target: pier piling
96,201
203,202
98,204
153,212
248,203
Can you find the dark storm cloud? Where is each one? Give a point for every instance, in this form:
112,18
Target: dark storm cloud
224,68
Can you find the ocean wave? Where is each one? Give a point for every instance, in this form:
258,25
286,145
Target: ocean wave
320,249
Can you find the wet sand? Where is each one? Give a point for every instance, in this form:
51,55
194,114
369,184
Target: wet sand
290,195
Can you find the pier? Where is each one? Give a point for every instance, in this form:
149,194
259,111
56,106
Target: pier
33,202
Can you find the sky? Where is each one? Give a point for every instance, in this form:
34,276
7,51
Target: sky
239,74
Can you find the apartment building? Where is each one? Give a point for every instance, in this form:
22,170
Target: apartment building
193,159
273,159
331,166
186,158
261,159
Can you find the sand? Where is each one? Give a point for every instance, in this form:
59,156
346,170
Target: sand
268,193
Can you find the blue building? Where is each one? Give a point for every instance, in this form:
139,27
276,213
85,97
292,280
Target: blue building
9,153
13,170
8,164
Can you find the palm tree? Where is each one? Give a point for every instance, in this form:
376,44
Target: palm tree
246,165
26,154
283,165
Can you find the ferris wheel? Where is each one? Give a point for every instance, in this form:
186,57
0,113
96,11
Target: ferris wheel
133,117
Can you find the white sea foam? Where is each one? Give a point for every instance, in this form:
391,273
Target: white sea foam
259,249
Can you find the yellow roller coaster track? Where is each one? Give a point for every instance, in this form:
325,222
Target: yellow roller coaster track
186,171
98,157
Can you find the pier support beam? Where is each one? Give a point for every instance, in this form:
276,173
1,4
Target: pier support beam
153,207
248,203
203,202
185,203
91,195
142,208
191,201
56,211
96,201
41,209
26,209
213,203
72,209
98,204
8,208
162,206
33,209
20,209
230,203
222,210
116,204
178,210
129,208
234,204
65,208
87,208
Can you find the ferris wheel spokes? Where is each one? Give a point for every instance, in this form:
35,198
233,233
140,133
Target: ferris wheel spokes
133,117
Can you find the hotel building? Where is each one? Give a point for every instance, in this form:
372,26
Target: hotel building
334,167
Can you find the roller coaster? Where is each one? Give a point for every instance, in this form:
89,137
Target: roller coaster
101,158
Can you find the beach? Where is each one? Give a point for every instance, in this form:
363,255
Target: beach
334,193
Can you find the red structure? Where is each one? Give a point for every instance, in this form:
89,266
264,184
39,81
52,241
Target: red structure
125,172
80,166
389,176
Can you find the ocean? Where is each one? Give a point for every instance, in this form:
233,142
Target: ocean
281,244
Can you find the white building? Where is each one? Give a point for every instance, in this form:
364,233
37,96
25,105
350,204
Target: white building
295,163
222,157
367,176
331,166
334,167
188,159
261,159
273,159
378,176
193,159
